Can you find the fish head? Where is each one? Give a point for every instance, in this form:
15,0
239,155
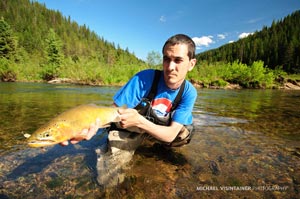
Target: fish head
49,134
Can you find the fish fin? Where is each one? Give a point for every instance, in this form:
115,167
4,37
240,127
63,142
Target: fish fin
105,125
26,135
117,119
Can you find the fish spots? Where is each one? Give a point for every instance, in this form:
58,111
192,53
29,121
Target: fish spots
65,125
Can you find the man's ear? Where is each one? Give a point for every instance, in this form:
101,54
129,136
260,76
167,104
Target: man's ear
192,64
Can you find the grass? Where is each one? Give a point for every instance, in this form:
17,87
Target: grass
90,71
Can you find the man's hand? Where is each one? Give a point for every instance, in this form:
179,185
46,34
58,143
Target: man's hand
85,134
129,117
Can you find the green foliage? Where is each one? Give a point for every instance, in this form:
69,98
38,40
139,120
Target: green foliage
54,56
278,71
219,83
259,76
7,72
154,58
95,73
8,42
278,45
49,72
40,44
220,74
54,49
48,39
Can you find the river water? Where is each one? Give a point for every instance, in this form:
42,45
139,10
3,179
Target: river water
246,145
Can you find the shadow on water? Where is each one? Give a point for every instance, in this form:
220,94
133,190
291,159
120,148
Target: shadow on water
35,160
162,153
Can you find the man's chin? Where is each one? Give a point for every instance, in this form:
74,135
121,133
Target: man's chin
172,83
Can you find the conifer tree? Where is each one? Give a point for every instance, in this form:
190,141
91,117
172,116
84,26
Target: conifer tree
154,58
54,49
54,56
276,46
8,42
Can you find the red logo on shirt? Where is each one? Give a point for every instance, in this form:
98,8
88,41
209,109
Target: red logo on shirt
162,106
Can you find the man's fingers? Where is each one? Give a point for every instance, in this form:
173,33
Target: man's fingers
64,143
98,123
90,133
121,110
85,134
74,141
93,129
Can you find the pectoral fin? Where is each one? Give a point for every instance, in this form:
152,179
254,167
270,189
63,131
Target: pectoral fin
117,119
26,135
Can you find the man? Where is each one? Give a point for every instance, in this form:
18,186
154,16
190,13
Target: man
159,120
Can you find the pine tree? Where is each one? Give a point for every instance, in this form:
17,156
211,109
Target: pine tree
278,45
8,42
54,56
154,58
54,49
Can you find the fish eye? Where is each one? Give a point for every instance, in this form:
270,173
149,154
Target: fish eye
46,134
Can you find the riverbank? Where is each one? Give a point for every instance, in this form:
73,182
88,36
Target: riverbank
280,83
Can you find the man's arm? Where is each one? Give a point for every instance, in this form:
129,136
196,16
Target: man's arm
130,117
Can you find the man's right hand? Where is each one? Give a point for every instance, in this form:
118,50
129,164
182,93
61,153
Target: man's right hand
85,134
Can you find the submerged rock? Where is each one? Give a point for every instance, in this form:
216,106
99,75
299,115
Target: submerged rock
214,167
112,164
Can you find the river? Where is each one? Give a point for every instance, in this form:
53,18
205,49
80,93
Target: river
246,145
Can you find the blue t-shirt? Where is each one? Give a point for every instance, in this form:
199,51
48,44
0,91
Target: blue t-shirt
139,87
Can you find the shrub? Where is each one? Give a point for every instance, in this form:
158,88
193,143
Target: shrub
218,74
7,72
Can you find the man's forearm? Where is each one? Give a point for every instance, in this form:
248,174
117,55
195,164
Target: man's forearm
162,133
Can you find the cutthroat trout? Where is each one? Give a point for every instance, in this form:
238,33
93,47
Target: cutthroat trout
67,124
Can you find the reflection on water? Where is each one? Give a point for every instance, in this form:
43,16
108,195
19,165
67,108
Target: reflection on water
244,139
26,106
272,112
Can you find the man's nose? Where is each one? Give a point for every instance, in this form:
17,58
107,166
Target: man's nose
171,65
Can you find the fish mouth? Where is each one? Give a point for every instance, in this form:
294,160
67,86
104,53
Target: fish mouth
41,143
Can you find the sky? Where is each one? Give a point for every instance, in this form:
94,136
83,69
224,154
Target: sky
144,26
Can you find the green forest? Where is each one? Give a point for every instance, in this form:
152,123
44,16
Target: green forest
41,44
277,46
266,59
38,44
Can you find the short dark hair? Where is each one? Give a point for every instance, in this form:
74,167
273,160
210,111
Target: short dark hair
182,39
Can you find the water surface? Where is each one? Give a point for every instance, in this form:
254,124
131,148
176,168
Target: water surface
244,139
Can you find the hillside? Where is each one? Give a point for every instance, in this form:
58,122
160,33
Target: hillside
39,37
38,44
277,46
31,21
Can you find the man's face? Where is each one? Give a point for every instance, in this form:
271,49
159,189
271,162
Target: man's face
176,64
